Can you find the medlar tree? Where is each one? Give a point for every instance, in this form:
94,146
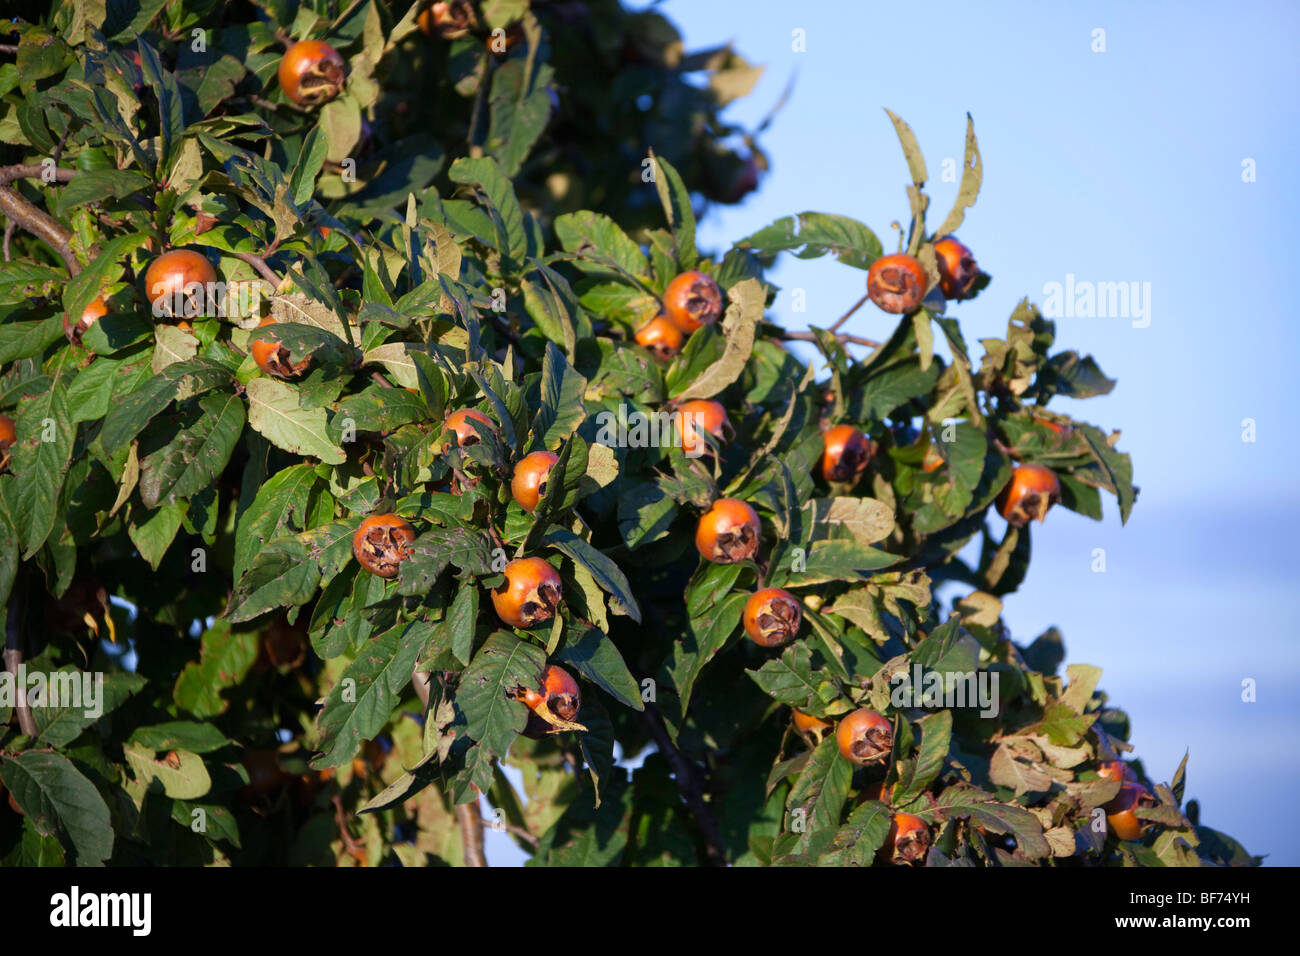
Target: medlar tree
373,425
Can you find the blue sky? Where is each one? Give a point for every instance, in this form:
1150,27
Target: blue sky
1115,166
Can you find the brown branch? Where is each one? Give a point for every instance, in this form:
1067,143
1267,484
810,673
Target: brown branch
845,317
687,776
9,174
471,833
258,263
842,338
33,220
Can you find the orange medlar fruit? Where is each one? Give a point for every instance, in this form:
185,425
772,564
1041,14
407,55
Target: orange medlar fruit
896,283
691,300
381,543
311,73
529,595
450,19
728,532
466,434
559,691
1120,816
529,481
808,724
908,840
75,330
772,617
1116,770
957,268
1030,493
864,736
272,357
8,435
698,416
176,283
661,337
845,453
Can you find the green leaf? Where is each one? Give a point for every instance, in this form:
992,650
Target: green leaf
273,411
972,175
40,461
180,773
197,456
360,702
916,774
915,161
606,573
813,234
965,801
788,678
487,688
560,410
857,842
677,208
819,794
188,735
438,548
281,575
225,657
58,799
840,560
739,326
597,658
588,232
280,509
487,175
520,107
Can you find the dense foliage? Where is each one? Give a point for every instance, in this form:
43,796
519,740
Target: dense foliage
483,217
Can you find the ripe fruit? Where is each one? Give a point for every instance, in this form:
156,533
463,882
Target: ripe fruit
529,482
772,617
8,435
896,283
466,434
699,416
272,357
559,691
1030,493
176,282
908,840
864,737
75,330
1116,770
845,453
661,337
450,20
692,300
728,532
1120,816
530,594
957,268
381,543
311,73
808,724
